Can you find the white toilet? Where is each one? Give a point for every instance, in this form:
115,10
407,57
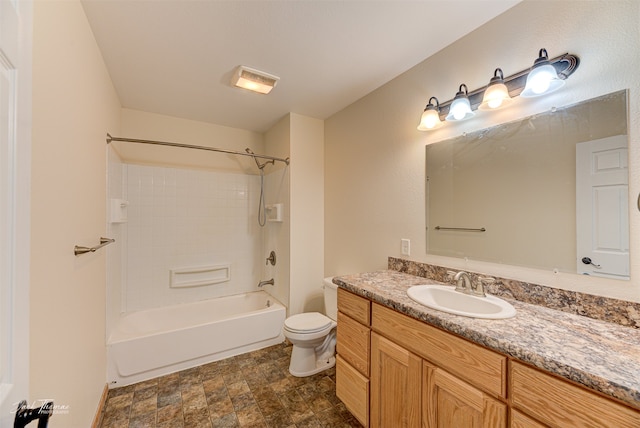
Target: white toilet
313,336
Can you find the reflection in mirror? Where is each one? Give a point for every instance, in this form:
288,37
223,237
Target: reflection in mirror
549,191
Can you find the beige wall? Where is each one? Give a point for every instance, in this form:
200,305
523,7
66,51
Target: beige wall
375,157
276,236
299,239
74,105
307,214
151,126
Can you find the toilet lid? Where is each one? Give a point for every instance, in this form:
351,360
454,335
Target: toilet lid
310,322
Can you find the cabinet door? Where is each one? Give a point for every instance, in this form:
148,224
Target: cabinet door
449,402
395,385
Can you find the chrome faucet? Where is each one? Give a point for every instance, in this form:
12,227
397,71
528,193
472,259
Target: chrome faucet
464,284
268,282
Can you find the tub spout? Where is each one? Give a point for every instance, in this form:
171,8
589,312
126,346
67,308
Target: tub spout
263,283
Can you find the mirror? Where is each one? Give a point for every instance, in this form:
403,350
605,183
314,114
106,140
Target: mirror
549,191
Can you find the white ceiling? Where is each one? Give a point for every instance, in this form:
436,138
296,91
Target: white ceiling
175,57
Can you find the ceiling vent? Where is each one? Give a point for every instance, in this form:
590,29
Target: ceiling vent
254,80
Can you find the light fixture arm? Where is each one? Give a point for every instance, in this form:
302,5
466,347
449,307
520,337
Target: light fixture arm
430,104
565,64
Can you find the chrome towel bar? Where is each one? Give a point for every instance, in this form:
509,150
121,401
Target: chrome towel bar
77,250
464,229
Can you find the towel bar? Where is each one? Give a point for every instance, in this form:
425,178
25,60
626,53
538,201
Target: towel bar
466,229
77,250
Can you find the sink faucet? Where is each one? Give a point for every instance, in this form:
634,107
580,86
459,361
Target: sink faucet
263,283
464,284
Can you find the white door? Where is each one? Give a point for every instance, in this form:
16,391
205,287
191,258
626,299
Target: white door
602,215
15,144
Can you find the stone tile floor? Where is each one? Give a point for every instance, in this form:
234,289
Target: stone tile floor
249,390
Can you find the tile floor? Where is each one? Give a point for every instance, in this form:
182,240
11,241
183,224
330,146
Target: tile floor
249,390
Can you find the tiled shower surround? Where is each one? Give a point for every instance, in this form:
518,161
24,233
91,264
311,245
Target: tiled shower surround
182,218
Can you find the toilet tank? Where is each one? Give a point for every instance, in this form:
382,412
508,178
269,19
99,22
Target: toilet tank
330,298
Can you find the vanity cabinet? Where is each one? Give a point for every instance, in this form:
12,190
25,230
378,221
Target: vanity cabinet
396,371
353,354
557,403
413,382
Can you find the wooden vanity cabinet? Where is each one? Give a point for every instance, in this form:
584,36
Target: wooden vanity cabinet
412,380
476,365
558,403
353,354
396,371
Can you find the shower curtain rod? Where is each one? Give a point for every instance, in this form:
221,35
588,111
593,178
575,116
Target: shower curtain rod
190,146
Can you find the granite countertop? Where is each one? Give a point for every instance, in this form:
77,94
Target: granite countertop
599,355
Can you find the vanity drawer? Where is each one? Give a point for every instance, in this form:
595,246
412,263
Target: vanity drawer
520,420
559,403
354,343
353,390
485,369
356,307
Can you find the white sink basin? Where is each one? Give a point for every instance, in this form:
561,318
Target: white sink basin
446,299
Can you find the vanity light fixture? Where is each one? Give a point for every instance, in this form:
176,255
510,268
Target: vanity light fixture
460,106
254,80
430,117
496,95
501,90
543,77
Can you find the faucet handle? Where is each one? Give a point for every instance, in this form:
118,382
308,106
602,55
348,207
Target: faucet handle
271,259
478,290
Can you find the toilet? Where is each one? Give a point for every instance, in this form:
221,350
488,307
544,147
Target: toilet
313,336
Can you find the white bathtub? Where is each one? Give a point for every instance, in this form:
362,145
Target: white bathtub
155,342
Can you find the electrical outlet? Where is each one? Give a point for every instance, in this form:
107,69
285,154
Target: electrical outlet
405,247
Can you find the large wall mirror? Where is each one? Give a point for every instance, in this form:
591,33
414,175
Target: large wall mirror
548,192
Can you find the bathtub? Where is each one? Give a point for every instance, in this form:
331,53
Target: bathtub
155,342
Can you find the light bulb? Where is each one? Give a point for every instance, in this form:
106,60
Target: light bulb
496,95
459,112
460,108
495,103
542,79
430,118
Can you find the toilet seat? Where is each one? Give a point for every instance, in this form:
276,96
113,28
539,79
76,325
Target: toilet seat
307,323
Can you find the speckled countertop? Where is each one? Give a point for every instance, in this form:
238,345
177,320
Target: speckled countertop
599,355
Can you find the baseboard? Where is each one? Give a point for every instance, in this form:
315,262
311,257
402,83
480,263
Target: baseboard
100,411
